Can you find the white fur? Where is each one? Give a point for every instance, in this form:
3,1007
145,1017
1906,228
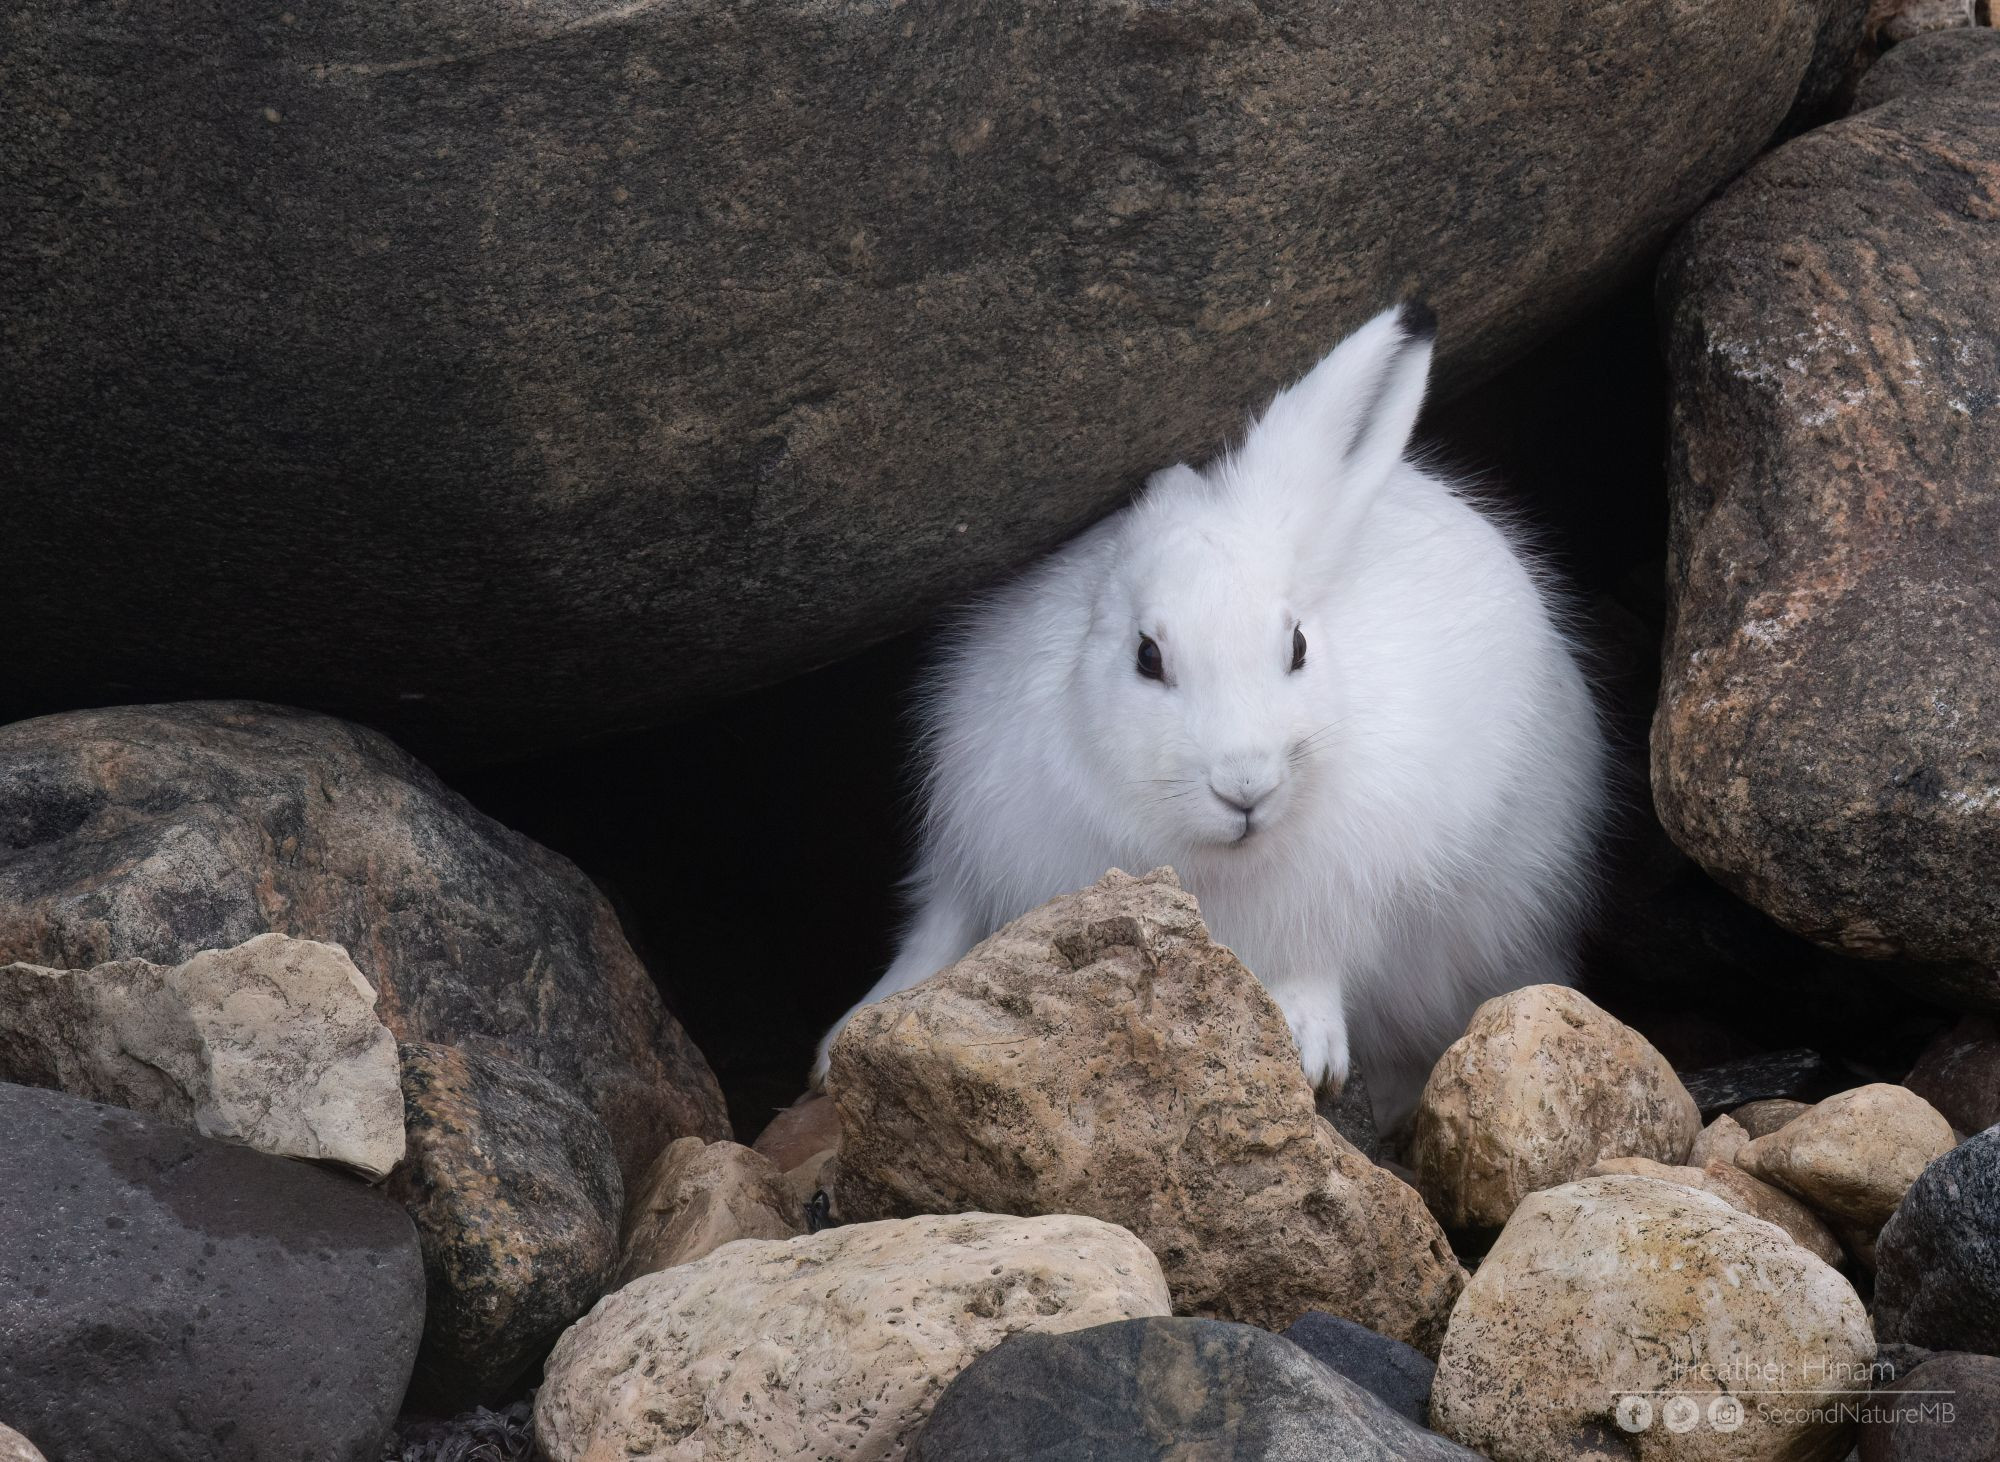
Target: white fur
1426,790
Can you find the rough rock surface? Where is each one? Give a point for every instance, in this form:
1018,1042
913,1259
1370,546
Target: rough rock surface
1959,1074
1541,1085
1102,1055
1165,1390
569,323
169,1296
1397,1375
516,1196
155,832
1969,1384
697,1197
1622,1287
1853,1156
835,1344
16,1448
1801,1075
1937,1278
274,1044
1719,1141
806,1128
1761,1119
1743,1193
1832,673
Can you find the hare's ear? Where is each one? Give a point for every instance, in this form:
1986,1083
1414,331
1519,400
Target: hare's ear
1338,433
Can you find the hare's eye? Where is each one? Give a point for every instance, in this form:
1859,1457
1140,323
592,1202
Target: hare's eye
1150,664
1298,648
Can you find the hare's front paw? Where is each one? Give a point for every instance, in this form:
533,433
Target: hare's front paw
1320,1028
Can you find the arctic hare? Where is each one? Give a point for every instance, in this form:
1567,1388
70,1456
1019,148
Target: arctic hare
1318,682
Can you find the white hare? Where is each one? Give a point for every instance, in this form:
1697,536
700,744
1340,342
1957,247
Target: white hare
1320,684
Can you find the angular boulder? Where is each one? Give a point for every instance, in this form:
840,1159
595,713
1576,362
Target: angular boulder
1853,1156
1832,667
516,1196
1613,1309
1103,1055
698,1196
274,1044
172,1296
1937,1274
1542,1085
1164,1390
471,358
155,832
832,1345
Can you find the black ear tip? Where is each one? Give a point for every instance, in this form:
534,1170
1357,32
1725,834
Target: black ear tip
1419,320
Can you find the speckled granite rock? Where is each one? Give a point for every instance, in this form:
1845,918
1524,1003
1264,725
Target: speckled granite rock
1165,1390
155,832
1743,1193
168,1296
1945,1410
1397,1375
16,1448
1559,1325
1164,1094
472,357
1832,669
516,1197
1937,1280
1542,1084
274,1044
698,1196
834,1345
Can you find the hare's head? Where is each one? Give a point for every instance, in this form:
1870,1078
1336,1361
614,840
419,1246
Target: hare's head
1209,679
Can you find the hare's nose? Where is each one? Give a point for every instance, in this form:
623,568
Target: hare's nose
1243,788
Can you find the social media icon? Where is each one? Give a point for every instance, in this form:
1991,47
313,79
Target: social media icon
1725,1413
1681,1414
1635,1413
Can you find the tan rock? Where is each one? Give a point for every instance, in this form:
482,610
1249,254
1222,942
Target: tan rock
274,1044
1741,1192
698,1196
1103,1055
1627,1287
1542,1085
1853,1156
808,1126
813,1176
833,1345
1761,1119
16,1448
1719,1140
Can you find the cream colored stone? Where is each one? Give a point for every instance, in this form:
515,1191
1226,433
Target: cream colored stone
698,1196
813,1176
1719,1140
274,1044
1542,1085
1103,1055
16,1448
1852,1157
1740,1191
1761,1119
1623,1286
833,1345
806,1127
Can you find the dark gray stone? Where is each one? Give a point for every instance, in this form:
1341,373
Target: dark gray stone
1937,1262
1800,1076
516,1196
158,831
1945,1410
1832,667
504,375
1159,1389
1396,1374
173,1299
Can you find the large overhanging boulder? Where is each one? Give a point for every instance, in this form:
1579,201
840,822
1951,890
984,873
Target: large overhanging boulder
504,375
